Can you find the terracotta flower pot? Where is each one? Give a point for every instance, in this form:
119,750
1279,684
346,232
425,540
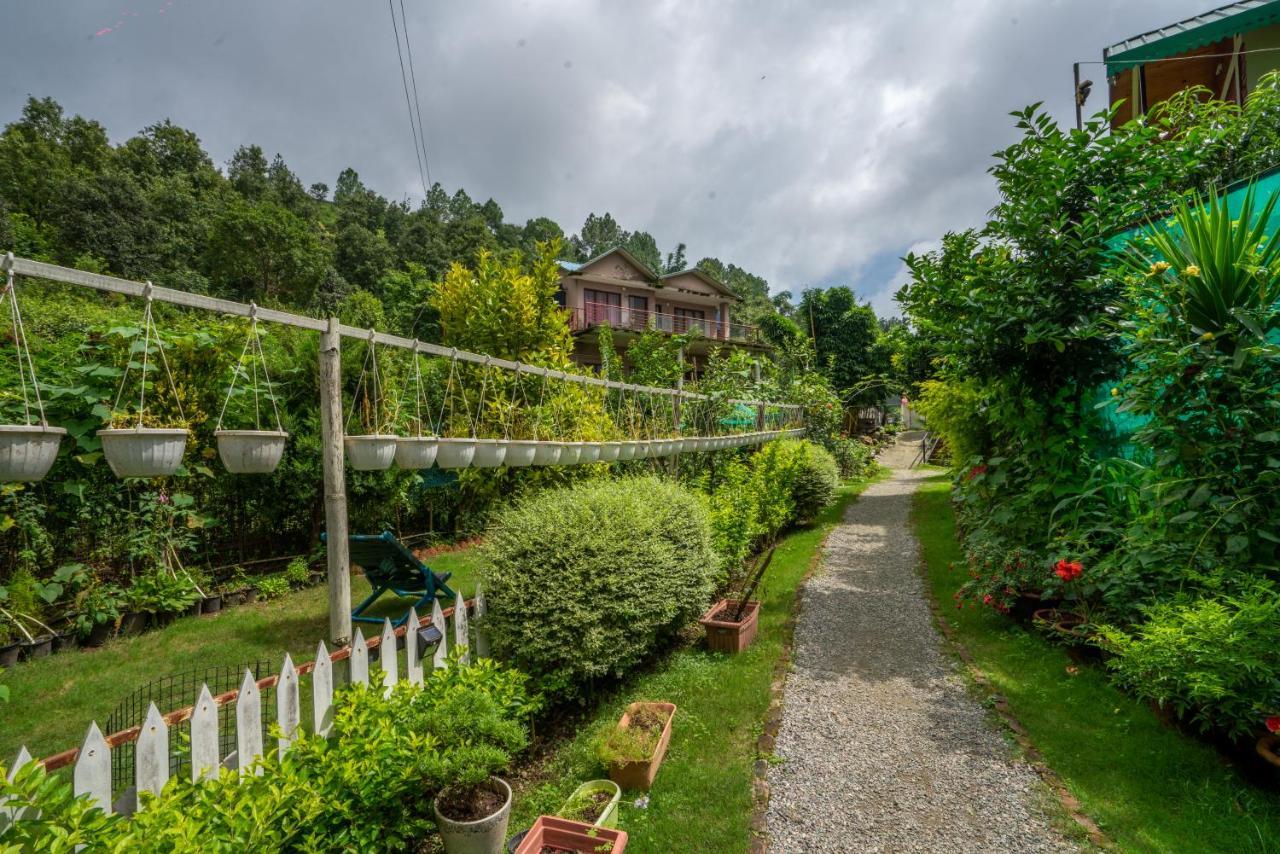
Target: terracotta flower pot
725,634
639,774
561,834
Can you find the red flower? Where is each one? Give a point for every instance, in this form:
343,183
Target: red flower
1068,570
977,470
986,600
1273,723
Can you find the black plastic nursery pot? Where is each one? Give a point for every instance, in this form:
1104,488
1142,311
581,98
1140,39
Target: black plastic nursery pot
65,641
98,635
9,654
132,623
211,604
39,647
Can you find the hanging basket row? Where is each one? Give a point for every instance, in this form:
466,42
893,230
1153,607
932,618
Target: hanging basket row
378,452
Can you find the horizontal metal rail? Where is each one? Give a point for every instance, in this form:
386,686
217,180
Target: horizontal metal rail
146,290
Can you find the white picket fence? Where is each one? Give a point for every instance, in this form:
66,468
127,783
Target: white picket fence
91,774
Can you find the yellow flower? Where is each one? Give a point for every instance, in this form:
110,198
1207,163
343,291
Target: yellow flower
1208,336
1159,267
1192,270
1115,392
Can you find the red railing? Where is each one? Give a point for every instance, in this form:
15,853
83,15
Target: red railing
592,314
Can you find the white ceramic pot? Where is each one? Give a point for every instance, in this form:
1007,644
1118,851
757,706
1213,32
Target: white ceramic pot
455,453
416,452
570,453
27,451
627,450
483,836
610,451
371,452
520,453
489,453
689,444
547,454
143,451
251,451
590,452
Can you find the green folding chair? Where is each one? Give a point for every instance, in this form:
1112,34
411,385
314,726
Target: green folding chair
389,566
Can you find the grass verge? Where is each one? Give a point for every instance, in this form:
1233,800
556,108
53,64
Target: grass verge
52,700
1149,788
702,798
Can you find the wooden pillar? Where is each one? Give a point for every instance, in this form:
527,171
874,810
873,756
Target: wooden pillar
755,375
335,487
678,399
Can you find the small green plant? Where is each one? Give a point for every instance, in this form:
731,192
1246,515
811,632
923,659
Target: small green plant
635,742
271,587
161,592
298,572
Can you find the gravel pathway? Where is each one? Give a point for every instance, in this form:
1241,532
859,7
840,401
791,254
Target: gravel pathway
882,747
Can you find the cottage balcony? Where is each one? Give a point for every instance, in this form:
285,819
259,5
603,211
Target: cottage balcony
593,314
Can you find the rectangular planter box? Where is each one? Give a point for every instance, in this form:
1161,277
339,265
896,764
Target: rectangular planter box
552,832
728,636
639,775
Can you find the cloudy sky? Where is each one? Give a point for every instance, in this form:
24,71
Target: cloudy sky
811,141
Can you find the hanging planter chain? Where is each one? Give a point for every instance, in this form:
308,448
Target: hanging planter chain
370,355
23,352
252,348
148,327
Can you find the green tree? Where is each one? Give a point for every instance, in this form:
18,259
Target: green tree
264,252
845,333
362,256
247,172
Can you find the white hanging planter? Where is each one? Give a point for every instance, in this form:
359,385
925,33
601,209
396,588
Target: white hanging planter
671,447
416,452
706,443
455,453
689,444
251,451
143,451
627,450
610,451
489,453
590,452
27,451
371,452
520,453
570,453
547,454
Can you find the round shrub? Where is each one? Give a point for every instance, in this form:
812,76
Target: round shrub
583,582
816,478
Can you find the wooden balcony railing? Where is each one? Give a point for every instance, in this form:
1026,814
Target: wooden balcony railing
593,314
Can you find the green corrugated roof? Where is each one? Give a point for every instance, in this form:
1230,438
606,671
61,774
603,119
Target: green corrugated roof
1192,33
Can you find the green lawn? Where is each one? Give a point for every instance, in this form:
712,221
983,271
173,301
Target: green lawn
701,800
52,700
1148,788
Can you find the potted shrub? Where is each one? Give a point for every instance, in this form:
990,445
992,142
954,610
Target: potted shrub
271,587
731,624
19,609
635,748
594,802
554,834
95,611
472,815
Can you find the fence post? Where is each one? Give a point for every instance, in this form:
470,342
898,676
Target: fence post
359,660
413,665
387,656
288,705
151,754
248,723
482,633
322,691
335,488
461,629
206,752
92,774
8,815
441,657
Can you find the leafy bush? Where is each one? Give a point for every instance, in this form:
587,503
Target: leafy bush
856,459
297,573
271,587
1216,662
816,478
583,582
734,517
367,787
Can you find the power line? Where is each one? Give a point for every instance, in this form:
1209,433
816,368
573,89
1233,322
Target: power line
404,79
422,131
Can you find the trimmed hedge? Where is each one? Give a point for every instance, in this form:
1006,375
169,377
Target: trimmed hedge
816,478
583,582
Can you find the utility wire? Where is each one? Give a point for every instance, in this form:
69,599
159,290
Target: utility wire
404,79
422,131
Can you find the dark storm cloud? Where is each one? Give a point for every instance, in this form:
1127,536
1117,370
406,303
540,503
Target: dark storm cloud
806,141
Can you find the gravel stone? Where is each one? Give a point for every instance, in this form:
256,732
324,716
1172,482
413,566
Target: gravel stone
882,746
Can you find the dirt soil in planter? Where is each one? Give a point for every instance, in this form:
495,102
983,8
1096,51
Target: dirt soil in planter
589,809
725,614
471,803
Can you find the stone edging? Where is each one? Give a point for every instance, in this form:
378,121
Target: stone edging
773,717
1000,704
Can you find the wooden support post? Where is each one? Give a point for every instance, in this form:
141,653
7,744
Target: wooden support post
755,375
335,487
678,398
